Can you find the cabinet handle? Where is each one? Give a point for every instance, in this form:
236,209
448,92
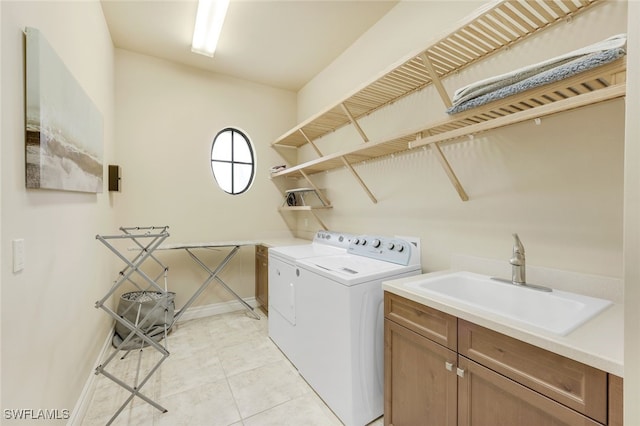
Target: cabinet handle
460,372
448,366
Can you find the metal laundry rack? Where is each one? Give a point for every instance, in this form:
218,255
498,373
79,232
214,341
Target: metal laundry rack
146,241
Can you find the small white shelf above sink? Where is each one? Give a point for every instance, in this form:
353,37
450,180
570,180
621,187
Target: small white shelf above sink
557,312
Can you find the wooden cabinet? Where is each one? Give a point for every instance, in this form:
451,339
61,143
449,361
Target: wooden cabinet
615,400
441,370
418,385
430,323
420,361
571,383
488,398
262,277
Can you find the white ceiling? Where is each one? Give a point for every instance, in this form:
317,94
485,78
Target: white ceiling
279,43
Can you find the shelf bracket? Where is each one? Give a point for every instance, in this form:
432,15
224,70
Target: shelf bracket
435,79
304,135
319,220
449,171
354,122
360,181
319,193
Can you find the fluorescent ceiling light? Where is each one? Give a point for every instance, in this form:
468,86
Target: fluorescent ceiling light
209,20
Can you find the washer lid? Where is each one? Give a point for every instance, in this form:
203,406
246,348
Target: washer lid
325,243
349,269
291,253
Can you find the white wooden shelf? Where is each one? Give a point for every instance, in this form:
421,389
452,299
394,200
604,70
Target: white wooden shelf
300,204
498,25
304,208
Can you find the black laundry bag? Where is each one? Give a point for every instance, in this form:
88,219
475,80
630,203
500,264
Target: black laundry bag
152,311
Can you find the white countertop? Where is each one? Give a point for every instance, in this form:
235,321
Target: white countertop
598,343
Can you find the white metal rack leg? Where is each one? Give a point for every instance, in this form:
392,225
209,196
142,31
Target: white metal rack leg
214,275
147,240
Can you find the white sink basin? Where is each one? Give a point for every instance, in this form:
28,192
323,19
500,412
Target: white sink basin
557,312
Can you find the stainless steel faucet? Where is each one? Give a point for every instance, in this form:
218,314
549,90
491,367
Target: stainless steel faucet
517,261
518,268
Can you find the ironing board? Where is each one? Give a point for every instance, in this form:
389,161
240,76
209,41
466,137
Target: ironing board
213,271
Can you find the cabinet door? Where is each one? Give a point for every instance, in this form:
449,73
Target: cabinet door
576,385
262,277
487,398
420,380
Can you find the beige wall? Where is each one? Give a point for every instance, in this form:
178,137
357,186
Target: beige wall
632,223
51,332
559,184
167,116
404,30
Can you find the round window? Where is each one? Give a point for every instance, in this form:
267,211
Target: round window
232,161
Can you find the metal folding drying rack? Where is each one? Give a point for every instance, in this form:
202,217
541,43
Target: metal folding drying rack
147,240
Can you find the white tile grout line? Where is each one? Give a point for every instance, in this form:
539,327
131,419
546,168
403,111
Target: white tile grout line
84,400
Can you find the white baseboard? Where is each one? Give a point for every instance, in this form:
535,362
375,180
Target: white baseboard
83,402
216,309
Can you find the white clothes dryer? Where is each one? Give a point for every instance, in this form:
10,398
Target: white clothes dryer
283,277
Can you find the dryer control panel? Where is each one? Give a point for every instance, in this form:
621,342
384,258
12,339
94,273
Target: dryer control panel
333,238
392,250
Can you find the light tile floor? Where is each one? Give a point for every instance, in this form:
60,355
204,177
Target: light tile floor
223,371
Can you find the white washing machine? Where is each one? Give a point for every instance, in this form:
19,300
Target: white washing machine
283,278
339,342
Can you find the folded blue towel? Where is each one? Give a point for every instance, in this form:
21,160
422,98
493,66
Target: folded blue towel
496,82
561,72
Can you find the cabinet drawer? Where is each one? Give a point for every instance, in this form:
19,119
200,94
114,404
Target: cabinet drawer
262,251
569,382
430,323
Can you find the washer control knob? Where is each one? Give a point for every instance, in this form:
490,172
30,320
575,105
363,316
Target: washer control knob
356,241
390,246
376,243
364,242
400,248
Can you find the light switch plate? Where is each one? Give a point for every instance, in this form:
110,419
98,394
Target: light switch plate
18,255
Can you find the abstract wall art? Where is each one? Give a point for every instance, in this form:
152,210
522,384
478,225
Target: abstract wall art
64,129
